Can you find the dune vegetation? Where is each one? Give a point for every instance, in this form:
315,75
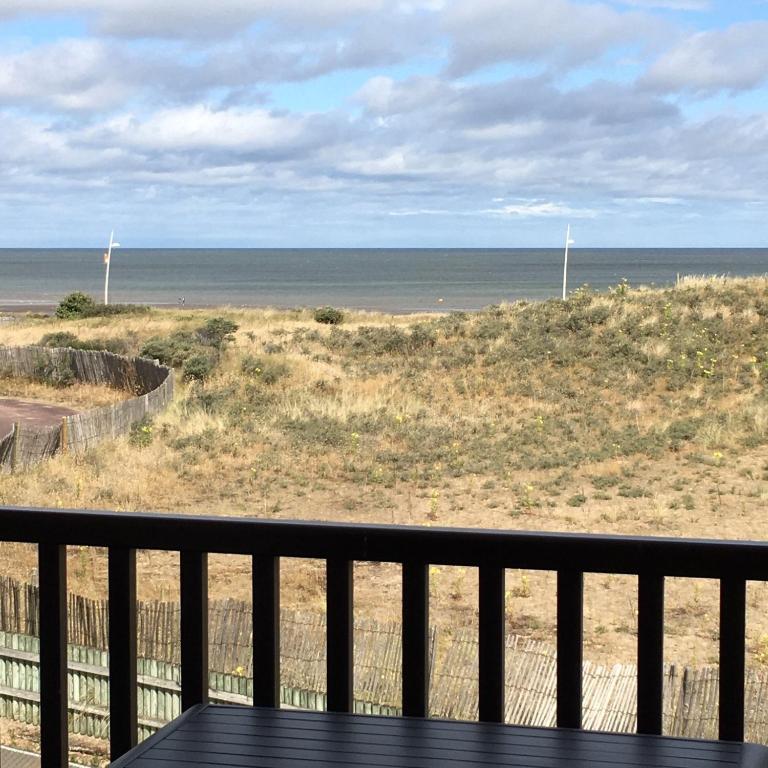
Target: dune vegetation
631,411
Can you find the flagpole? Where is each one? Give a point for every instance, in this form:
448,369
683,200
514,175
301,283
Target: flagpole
568,242
107,259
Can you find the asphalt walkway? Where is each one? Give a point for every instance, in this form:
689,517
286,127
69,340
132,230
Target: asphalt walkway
29,414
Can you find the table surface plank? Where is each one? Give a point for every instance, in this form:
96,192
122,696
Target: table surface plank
210,736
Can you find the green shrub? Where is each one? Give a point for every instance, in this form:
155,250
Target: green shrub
197,367
490,327
113,344
604,481
265,369
373,341
60,339
109,310
632,491
329,316
141,434
452,325
79,305
211,399
317,432
76,304
217,332
56,373
683,429
193,351
170,350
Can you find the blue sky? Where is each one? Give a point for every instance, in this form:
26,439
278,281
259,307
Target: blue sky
370,123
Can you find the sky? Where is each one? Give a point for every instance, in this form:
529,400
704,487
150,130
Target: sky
366,123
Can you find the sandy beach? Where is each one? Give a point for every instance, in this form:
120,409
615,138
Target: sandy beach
22,309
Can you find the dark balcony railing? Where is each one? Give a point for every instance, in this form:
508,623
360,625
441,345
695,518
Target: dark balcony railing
570,555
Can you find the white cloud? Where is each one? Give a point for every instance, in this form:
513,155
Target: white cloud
96,75
523,209
202,18
198,127
114,119
540,208
68,75
732,59
385,96
489,31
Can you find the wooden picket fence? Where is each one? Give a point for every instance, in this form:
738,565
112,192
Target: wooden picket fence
610,692
150,384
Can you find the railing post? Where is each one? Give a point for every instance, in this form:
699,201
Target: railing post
650,653
570,636
266,631
194,628
340,635
415,639
733,595
123,711
54,737
491,642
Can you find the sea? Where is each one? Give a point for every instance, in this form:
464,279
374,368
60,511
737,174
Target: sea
392,280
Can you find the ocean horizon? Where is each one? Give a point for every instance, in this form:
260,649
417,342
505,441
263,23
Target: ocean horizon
383,279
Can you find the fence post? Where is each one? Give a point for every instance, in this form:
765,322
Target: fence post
63,436
14,446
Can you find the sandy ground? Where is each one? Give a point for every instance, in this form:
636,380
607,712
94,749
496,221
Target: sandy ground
29,414
21,309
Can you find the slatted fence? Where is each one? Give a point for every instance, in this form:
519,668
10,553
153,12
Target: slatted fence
609,701
150,384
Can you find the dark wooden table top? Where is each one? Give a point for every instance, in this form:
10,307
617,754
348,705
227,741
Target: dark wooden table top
213,735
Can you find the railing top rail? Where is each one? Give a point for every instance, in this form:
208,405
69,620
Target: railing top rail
598,553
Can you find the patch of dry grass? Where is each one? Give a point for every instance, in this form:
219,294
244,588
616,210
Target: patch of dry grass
79,398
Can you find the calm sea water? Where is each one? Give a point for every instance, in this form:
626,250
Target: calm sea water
397,280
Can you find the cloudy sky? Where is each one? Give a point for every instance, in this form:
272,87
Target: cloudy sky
375,123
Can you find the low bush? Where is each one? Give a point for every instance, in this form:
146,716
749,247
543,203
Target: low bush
109,310
632,491
372,341
211,399
329,316
78,305
75,304
265,369
60,339
56,373
317,432
141,433
217,332
170,350
196,351
113,344
198,367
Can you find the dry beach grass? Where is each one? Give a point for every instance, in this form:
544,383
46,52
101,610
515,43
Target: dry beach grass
631,411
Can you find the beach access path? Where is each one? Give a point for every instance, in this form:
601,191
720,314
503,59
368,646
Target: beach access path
30,414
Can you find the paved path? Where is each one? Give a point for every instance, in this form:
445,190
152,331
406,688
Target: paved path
30,414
